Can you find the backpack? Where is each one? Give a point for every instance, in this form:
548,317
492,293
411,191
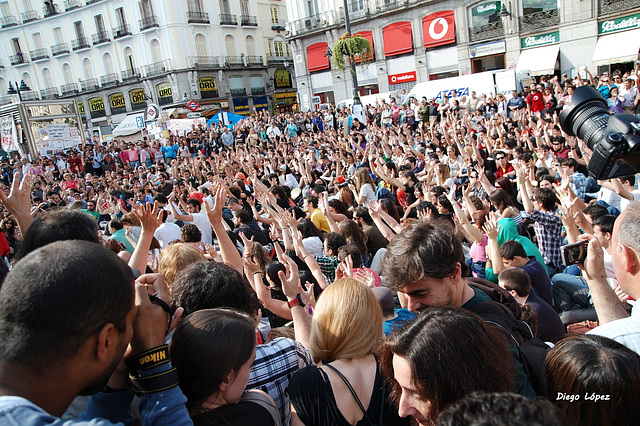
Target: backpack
503,311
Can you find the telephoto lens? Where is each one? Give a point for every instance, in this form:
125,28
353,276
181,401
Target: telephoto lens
588,116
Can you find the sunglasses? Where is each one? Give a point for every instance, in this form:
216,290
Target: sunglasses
499,158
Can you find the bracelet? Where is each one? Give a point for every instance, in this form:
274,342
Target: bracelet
259,272
295,302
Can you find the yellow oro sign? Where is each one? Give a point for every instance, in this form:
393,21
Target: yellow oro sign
81,108
207,84
164,90
137,96
96,104
117,100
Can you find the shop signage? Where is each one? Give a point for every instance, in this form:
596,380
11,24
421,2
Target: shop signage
137,97
96,106
117,101
260,103
241,105
439,28
286,98
487,8
192,105
282,78
164,90
207,84
540,40
403,77
623,23
487,49
80,108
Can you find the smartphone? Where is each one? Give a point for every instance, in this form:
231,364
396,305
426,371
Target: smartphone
574,253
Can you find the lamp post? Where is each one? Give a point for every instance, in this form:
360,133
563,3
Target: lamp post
352,61
17,90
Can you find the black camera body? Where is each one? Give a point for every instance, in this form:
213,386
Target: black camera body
614,139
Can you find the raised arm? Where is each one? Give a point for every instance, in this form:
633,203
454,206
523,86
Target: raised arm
150,218
228,250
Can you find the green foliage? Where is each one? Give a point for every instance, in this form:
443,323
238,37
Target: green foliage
351,46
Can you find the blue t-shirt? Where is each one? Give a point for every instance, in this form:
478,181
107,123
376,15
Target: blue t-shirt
403,316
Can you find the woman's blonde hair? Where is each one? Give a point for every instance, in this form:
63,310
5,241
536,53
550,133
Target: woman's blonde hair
176,257
362,176
347,322
131,219
442,172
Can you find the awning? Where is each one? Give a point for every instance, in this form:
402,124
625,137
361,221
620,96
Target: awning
397,39
617,48
130,125
539,60
316,59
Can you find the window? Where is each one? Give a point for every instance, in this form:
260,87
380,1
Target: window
195,6
201,45
255,81
485,14
88,69
27,79
128,59
5,9
47,79
270,45
251,46
274,15
67,75
79,29
278,47
99,24
37,41
230,44
145,8
120,19
244,7
57,35
288,50
224,7
107,63
156,52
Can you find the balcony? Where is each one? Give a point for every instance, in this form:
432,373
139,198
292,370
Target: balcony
101,37
386,5
233,61
254,60
542,19
50,9
226,19
88,2
59,49
29,16
278,60
50,93
80,43
121,31
69,89
238,92
197,17
109,80
71,4
90,84
277,27
148,22
485,32
29,96
610,7
156,68
8,21
132,74
17,59
205,62
38,54
248,21
5,100
357,10
258,91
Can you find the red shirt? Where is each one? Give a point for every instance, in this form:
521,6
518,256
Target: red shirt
75,164
504,170
535,101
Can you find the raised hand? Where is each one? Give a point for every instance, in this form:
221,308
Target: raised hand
150,216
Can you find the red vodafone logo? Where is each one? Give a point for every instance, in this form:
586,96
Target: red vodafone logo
439,28
404,77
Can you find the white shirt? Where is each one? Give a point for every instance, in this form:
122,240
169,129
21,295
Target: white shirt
367,192
202,222
166,233
625,331
624,203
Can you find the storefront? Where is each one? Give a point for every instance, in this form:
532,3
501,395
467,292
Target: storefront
138,99
260,103
285,102
208,88
241,105
117,104
487,56
539,55
618,44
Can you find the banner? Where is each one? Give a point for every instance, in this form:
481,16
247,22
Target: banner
9,134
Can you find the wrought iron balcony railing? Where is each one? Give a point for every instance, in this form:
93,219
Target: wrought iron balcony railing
121,31
148,22
485,32
29,16
69,89
197,17
100,37
109,79
80,43
90,84
39,54
131,74
248,21
537,20
59,49
227,19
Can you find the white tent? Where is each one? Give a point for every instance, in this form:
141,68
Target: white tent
132,124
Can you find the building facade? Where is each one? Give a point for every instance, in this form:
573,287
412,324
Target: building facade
420,40
117,56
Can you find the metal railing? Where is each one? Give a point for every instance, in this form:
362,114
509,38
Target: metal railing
542,19
238,92
205,62
59,49
17,59
29,16
50,93
227,19
148,22
385,5
100,37
38,54
156,68
131,74
121,31
68,89
5,100
71,4
254,60
278,59
90,84
357,10
109,79
258,91
278,27
231,61
610,7
50,9
29,96
88,2
8,21
484,32
248,20
80,43
197,17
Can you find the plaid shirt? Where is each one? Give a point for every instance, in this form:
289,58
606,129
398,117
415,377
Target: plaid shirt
276,362
328,266
579,185
548,227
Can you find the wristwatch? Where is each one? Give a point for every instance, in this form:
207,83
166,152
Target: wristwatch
295,302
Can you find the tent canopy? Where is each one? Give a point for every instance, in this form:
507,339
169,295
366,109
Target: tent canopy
225,117
132,124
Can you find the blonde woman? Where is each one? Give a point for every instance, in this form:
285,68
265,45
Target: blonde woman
364,186
176,257
347,387
443,176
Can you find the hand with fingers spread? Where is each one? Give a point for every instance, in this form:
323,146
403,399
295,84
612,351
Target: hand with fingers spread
247,244
290,280
308,296
491,229
215,213
150,216
366,276
18,203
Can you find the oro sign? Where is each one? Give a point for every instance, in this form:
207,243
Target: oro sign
402,78
439,28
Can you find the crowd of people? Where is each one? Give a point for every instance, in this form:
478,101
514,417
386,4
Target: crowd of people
323,269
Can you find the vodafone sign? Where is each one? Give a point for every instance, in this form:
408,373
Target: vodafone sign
402,78
439,28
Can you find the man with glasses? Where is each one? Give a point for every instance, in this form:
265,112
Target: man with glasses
560,150
91,209
505,168
604,86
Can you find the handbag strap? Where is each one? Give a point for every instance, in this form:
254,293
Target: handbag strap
353,392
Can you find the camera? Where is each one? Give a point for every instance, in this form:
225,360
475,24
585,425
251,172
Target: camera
614,139
575,253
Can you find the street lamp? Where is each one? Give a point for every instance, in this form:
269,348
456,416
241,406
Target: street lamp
18,90
352,64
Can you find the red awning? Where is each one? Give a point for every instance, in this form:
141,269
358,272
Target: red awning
397,39
439,28
369,36
316,60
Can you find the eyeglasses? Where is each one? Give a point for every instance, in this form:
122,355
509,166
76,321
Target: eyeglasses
499,158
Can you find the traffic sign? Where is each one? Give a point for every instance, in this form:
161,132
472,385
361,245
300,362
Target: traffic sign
192,105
